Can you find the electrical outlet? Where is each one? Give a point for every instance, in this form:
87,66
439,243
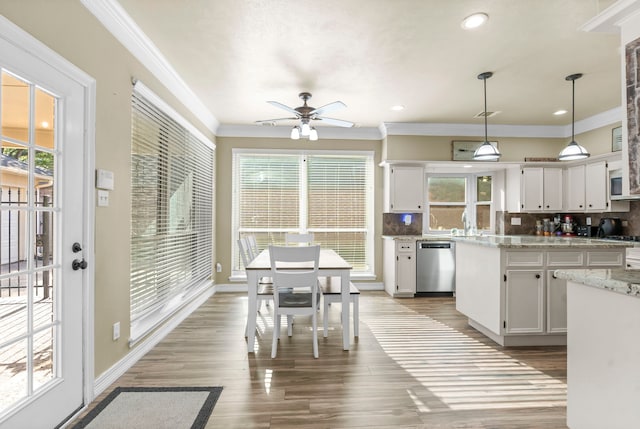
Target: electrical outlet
588,221
103,198
625,223
516,221
218,267
116,331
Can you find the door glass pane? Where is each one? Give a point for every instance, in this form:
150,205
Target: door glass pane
43,357
445,217
447,189
13,377
15,108
483,186
27,207
44,123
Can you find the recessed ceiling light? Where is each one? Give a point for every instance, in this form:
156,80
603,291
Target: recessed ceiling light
474,21
45,124
467,166
397,107
559,112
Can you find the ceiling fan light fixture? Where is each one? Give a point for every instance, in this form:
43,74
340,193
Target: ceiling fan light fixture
306,129
313,134
486,151
295,133
573,151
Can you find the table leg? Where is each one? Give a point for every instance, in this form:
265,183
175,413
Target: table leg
346,307
252,308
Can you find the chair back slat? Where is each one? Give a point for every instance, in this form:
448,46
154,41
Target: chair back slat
295,268
299,239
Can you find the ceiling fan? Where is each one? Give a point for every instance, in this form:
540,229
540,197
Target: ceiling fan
306,114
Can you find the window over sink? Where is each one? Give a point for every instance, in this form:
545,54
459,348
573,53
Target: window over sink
451,198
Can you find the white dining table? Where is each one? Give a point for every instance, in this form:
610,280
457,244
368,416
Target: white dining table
330,264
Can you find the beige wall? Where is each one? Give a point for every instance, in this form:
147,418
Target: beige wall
224,182
69,29
439,148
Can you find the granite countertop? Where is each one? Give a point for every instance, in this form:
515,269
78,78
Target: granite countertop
626,282
536,241
424,237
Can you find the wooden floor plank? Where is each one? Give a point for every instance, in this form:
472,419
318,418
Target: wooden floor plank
416,364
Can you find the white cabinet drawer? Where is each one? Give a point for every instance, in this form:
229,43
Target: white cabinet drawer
565,259
525,259
406,246
601,258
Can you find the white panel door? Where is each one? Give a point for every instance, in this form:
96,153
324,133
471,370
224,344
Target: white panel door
42,149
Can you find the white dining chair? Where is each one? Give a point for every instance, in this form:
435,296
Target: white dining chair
253,245
298,239
332,293
265,286
295,290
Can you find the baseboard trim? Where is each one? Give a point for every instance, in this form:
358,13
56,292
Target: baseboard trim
108,377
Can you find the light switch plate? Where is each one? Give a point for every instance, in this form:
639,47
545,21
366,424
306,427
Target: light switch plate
103,198
516,221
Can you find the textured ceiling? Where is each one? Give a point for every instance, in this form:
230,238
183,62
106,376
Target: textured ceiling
372,54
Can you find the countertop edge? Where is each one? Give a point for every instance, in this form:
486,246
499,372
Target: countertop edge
624,282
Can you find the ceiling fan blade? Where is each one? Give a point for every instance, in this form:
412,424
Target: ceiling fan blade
275,120
287,108
328,108
336,122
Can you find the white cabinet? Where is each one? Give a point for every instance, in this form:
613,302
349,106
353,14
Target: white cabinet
588,189
512,296
406,189
524,297
535,189
575,188
400,267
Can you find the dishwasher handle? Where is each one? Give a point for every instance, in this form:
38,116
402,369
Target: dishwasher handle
434,245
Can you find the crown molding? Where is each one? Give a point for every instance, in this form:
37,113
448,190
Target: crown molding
122,27
264,131
610,20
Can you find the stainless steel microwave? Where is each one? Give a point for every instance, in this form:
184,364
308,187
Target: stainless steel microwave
615,186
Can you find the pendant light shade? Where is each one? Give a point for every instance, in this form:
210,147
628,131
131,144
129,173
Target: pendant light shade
295,133
486,151
573,150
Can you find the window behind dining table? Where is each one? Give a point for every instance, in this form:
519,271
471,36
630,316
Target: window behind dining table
327,194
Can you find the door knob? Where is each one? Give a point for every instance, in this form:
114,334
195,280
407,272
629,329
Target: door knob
77,264
76,247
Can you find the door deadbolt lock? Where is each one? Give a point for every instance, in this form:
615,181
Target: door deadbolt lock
77,264
76,247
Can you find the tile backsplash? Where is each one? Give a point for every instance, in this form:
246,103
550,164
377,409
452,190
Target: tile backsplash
402,224
528,220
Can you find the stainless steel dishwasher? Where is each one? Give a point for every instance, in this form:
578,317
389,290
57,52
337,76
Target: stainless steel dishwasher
435,268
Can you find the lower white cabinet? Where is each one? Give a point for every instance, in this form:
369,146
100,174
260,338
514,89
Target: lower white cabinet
524,296
512,296
400,267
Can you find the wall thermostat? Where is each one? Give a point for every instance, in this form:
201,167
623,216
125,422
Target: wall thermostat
104,179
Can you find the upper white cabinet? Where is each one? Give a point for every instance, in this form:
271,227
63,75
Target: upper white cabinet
534,189
588,189
406,189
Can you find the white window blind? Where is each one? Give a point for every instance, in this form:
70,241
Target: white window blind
326,194
172,172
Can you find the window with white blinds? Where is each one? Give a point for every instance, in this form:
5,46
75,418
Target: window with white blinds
328,195
172,171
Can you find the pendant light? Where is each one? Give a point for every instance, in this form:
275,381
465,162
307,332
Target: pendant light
486,151
573,150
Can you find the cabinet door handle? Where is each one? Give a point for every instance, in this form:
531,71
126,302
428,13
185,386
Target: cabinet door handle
537,276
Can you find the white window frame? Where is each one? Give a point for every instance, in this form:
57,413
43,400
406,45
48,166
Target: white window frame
239,274
470,202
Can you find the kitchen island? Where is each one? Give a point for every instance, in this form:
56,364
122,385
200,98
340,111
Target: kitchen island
507,287
603,351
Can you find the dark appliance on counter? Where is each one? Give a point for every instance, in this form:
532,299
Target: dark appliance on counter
435,268
609,226
586,231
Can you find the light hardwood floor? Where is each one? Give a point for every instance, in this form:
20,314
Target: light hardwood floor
416,364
